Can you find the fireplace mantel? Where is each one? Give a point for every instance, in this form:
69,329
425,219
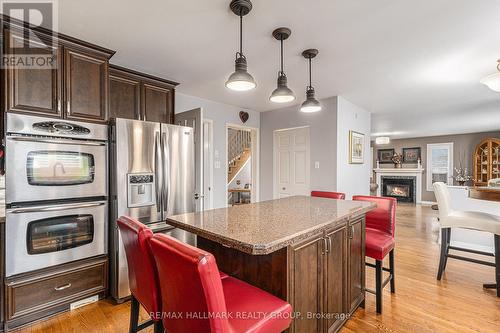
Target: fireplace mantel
410,172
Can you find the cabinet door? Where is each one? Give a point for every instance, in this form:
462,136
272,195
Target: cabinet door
86,85
356,264
124,96
33,89
335,280
157,102
306,284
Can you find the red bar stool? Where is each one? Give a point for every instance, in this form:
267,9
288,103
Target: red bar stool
142,275
331,195
203,302
380,225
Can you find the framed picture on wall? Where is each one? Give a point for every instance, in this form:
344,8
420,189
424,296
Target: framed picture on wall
411,155
356,147
384,156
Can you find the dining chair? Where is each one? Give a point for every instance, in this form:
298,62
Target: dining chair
142,274
379,241
450,218
331,195
195,287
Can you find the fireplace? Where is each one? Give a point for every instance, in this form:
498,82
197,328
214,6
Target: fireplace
401,188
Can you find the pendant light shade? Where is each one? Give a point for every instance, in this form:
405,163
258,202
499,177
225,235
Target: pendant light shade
493,80
282,94
240,80
311,104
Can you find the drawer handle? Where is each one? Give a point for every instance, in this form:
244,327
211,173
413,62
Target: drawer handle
66,286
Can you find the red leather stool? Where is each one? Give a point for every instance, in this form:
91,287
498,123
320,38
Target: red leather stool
192,288
380,225
331,195
142,275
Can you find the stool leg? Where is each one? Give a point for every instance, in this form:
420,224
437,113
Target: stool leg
448,238
391,268
378,285
134,315
444,250
158,328
497,263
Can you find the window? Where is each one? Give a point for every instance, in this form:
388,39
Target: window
439,164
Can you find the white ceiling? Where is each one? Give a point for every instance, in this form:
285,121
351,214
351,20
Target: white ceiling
415,64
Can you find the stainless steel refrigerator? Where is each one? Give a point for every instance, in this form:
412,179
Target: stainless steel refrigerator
152,176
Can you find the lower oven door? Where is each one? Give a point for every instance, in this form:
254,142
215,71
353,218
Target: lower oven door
44,236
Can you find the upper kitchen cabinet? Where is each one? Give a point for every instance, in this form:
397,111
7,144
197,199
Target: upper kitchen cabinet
135,95
32,90
85,84
73,85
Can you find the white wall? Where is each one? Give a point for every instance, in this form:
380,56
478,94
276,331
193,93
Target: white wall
352,179
323,143
221,114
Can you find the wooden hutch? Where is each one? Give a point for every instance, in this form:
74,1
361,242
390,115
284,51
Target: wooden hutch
486,161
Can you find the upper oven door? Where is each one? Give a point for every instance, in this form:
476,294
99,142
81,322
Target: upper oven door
42,168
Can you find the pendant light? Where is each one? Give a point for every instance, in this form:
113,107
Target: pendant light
282,93
240,80
311,104
493,80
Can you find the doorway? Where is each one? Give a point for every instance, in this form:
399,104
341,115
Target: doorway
242,164
291,160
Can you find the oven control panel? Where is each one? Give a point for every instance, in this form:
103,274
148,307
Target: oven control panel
141,189
60,127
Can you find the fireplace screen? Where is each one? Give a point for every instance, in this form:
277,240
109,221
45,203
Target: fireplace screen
398,191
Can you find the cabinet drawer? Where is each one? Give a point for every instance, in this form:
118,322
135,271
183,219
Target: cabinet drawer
34,293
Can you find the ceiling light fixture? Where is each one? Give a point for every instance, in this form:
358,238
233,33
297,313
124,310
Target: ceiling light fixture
240,80
382,140
282,93
311,104
493,80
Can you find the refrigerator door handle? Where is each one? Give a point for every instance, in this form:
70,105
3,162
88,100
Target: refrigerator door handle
158,172
166,177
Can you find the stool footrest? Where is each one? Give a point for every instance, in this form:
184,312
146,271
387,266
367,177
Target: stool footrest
476,261
489,286
471,251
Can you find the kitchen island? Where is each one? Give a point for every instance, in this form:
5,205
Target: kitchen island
308,251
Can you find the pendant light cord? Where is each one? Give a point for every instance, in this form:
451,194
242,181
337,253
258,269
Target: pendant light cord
281,43
241,34
310,80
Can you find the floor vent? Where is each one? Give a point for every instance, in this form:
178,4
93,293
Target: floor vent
83,302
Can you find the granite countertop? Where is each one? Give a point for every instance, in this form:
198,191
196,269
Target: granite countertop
267,226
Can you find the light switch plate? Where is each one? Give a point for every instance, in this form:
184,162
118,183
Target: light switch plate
316,165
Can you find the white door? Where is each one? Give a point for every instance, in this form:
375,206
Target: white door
194,118
291,162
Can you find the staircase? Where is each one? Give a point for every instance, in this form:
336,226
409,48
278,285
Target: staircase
239,151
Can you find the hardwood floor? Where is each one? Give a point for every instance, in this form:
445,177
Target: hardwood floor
421,304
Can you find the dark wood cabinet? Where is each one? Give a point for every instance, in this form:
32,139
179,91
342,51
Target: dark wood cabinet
306,283
335,280
124,96
135,95
73,86
85,85
356,263
33,90
158,103
35,295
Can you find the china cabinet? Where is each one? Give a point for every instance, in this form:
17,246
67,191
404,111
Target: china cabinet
486,161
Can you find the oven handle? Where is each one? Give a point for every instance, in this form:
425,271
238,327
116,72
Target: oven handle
56,141
52,208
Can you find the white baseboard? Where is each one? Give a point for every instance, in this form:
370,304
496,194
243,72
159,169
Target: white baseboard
427,203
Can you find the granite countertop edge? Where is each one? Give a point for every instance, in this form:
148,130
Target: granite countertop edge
263,249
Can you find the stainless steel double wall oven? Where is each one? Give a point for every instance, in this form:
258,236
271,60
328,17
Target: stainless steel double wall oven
56,192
